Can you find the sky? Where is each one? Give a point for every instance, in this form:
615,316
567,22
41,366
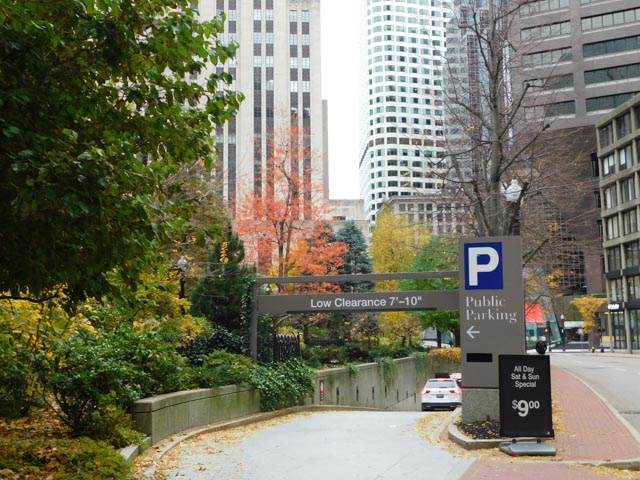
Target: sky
340,87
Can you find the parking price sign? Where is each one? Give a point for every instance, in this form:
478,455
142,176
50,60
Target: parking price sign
525,396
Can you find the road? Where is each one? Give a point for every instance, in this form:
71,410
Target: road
615,376
343,445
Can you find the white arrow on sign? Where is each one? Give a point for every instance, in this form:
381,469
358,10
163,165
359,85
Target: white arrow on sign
471,331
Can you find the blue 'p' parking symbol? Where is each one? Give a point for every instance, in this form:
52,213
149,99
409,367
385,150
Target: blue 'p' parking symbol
483,266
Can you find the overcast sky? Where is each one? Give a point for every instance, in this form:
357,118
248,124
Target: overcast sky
340,87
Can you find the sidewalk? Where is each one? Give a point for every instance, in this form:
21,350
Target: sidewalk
587,431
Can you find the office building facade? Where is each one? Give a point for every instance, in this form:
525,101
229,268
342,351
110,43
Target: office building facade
277,68
404,140
619,163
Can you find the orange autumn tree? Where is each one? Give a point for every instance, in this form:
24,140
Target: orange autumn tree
284,206
319,254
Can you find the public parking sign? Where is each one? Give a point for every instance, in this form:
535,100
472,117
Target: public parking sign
491,304
525,396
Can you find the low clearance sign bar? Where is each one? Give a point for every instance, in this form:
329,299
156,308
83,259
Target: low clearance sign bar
360,302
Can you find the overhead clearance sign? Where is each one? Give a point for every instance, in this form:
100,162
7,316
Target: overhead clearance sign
359,302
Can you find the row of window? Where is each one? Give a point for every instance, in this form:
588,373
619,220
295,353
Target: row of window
427,132
412,10
631,256
268,15
402,89
405,184
404,48
547,57
402,19
627,188
622,125
425,3
608,47
612,73
542,32
415,100
625,160
404,39
611,19
607,102
633,288
629,220
405,79
543,6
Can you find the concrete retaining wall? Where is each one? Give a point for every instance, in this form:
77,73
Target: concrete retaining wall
165,415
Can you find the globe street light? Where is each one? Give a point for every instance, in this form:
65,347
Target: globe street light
512,195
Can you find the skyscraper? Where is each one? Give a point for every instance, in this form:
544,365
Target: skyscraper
404,141
277,68
580,58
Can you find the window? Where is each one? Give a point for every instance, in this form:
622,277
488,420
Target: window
543,6
623,125
629,222
293,15
628,189
605,135
633,286
294,86
614,260
293,39
608,165
257,14
615,289
257,61
610,199
613,230
625,157
632,254
293,62
257,37
543,32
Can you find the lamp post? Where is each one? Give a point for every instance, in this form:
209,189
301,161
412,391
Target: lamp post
512,195
182,266
562,332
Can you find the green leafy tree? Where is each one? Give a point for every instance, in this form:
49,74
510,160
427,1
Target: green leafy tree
440,254
218,295
94,115
357,260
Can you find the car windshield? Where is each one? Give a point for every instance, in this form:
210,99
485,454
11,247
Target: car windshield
441,384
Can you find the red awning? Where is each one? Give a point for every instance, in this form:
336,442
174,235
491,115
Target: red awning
533,314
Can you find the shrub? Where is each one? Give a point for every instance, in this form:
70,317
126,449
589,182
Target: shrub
77,459
90,375
16,396
284,384
223,368
218,339
449,354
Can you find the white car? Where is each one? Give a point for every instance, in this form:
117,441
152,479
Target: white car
441,393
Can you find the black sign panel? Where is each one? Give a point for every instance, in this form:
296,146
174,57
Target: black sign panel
525,396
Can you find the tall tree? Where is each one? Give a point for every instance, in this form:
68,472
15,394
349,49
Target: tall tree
284,207
218,295
439,255
489,140
93,119
357,259
394,243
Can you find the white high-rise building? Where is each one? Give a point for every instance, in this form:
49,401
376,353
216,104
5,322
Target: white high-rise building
277,68
404,142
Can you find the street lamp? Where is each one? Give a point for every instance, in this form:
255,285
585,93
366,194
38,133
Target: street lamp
182,266
512,195
562,332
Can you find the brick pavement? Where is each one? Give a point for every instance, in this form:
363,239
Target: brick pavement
585,430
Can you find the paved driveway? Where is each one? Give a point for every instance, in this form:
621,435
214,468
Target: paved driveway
328,445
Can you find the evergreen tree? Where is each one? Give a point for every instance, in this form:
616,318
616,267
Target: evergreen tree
218,295
357,260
